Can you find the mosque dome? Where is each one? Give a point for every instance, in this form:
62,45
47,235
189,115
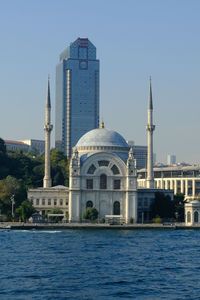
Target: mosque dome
102,137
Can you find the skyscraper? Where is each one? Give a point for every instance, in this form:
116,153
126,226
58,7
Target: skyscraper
171,159
77,94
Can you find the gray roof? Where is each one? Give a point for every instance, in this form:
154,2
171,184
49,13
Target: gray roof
102,137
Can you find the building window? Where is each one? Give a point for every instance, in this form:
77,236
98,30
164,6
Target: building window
61,202
188,217
37,201
43,201
117,184
103,182
140,202
49,201
196,217
91,169
145,202
103,163
116,208
66,202
89,184
55,202
89,204
115,170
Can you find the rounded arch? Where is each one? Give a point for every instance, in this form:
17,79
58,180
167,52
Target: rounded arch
89,204
114,159
116,208
196,217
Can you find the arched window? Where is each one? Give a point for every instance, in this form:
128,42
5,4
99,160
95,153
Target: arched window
116,208
115,170
91,169
103,182
103,163
89,204
196,217
188,217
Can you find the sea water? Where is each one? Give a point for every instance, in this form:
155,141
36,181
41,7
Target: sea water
99,264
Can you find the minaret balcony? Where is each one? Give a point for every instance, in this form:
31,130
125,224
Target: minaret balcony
150,128
48,127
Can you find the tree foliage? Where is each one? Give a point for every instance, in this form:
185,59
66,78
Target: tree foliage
20,171
166,208
24,211
162,206
179,207
90,213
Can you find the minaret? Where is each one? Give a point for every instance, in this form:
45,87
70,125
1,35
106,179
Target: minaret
47,129
150,128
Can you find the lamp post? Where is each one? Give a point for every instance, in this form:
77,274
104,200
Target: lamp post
12,198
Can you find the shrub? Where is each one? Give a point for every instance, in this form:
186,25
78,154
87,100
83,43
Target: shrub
131,220
157,220
102,221
90,213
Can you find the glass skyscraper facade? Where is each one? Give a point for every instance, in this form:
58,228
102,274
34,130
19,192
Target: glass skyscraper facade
77,94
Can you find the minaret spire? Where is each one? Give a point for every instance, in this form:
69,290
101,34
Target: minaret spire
150,96
48,103
47,129
150,128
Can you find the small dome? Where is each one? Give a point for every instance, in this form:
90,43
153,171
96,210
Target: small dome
102,137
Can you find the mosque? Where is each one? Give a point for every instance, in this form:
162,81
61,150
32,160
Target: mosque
102,175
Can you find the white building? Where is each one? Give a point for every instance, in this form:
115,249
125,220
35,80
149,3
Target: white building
171,159
16,146
180,179
103,175
38,145
26,145
192,213
44,200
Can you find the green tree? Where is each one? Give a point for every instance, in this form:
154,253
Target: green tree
162,206
4,170
59,168
179,210
90,213
24,211
11,187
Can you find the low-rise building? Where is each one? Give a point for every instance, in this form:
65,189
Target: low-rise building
44,200
16,146
26,145
192,213
180,179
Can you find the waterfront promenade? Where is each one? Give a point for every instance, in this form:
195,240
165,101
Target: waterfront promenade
79,226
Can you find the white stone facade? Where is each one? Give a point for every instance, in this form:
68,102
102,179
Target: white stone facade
44,199
192,213
99,177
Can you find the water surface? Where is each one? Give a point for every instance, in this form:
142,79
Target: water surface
98,264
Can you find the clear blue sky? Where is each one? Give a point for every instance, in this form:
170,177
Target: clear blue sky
134,39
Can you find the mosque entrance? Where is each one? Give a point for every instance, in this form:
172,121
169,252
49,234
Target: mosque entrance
116,208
